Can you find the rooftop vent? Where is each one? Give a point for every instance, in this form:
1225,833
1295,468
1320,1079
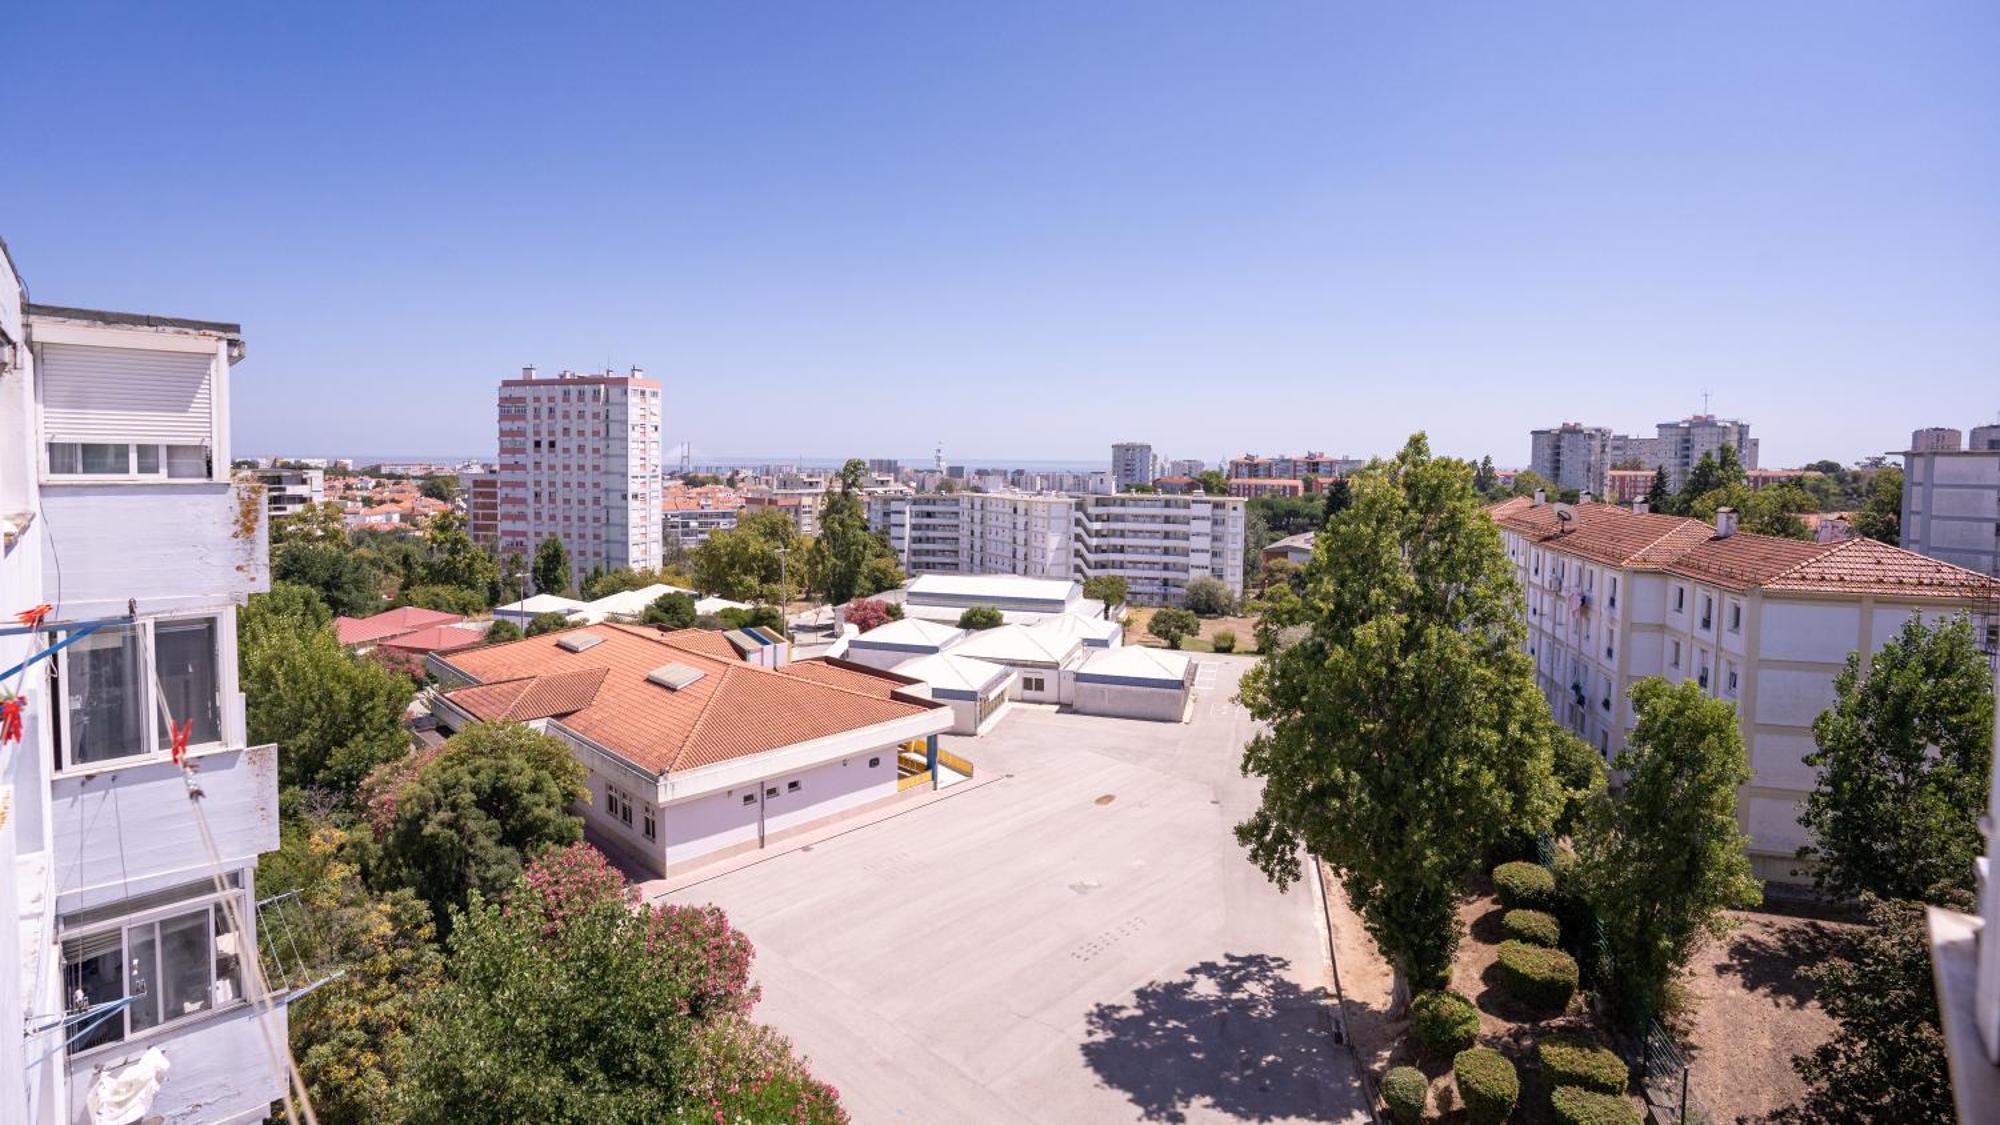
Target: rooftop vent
578,642
674,677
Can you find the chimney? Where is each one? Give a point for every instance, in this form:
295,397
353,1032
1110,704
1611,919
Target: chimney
1640,507
1725,522
1541,497
528,372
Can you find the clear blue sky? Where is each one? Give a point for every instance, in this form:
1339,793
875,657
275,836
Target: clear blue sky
1030,230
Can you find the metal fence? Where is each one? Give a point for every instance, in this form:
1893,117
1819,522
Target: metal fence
1664,1077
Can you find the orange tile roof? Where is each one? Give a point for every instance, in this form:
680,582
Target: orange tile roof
734,710
435,638
1688,547
389,623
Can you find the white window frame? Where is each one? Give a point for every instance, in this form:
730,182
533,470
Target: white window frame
132,473
152,745
246,946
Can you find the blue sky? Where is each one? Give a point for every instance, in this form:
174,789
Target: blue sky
1029,230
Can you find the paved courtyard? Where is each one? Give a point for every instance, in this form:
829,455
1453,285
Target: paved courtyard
1080,940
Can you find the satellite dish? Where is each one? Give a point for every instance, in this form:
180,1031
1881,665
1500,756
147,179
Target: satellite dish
1565,513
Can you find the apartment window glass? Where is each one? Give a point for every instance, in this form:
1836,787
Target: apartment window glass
650,828
1735,618
1680,599
147,460
1614,592
173,965
185,653
187,462
1674,654
1707,610
104,696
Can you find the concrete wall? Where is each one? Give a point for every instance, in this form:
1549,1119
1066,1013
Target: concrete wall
1128,702
220,1069
713,822
199,541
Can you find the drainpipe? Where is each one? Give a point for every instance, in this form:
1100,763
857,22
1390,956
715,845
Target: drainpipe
930,756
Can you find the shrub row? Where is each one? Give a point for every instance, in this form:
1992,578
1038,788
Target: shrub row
1488,1083
1533,927
1571,1060
1538,976
1445,1023
1523,884
1575,1106
1404,1088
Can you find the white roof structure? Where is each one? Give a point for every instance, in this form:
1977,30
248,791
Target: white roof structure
539,604
1135,665
911,633
1094,631
629,603
1019,644
1001,591
953,677
713,605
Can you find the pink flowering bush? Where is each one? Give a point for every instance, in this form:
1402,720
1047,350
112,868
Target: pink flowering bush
563,883
746,1072
379,789
868,613
709,957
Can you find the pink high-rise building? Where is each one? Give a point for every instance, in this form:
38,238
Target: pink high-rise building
580,460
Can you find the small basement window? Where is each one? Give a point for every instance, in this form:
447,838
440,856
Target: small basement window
791,786
874,762
749,798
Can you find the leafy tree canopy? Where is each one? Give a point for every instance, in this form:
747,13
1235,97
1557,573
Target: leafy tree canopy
1207,596
546,623
551,567
1173,625
335,715
980,617
674,610
1107,588
1881,514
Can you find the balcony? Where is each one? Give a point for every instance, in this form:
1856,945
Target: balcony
201,542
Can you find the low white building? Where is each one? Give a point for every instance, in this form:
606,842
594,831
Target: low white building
1614,596
527,609
1026,601
890,645
1134,683
692,752
1043,657
975,690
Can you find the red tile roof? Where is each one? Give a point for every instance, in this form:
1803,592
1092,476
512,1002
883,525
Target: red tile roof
389,623
734,710
435,638
1688,547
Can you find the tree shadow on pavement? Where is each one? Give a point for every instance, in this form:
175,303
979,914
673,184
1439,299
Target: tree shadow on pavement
1236,1036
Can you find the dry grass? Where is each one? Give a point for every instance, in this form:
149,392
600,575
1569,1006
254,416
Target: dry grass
1245,628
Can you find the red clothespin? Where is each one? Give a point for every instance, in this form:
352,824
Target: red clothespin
32,618
180,736
10,718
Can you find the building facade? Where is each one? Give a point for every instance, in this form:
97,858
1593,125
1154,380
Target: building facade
482,510
1132,463
1613,597
1936,439
125,933
1573,457
1951,507
1292,466
288,492
580,460
1157,542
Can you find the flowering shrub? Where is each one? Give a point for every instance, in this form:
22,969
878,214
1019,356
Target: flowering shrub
710,957
868,613
379,789
746,1072
565,882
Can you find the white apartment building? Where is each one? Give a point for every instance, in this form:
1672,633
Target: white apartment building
1951,506
1573,457
1156,542
1292,466
1132,462
1614,596
122,936
1159,543
1936,439
580,459
1679,445
290,491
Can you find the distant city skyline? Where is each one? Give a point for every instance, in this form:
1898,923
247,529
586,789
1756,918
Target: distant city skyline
1034,229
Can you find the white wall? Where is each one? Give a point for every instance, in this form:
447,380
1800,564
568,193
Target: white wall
167,546
219,1070
1128,702
705,824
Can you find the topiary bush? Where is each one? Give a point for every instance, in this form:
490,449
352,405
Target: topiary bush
1537,976
1572,1060
1575,1106
1223,641
1523,884
1533,927
1405,1089
1487,1083
1445,1023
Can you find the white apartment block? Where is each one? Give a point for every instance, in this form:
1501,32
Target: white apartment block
123,933
580,459
1951,506
1679,445
290,491
1573,457
1936,439
1157,543
1132,462
1292,466
1614,596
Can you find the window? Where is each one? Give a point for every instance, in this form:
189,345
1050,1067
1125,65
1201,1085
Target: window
874,762
1729,682
185,654
650,828
1674,654
618,803
175,962
791,786
1680,599
1610,641
1614,592
1707,610
771,792
749,798
104,694
1735,618
99,459
1031,683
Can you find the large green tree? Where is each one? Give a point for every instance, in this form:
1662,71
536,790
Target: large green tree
1903,759
566,1001
335,716
471,817
1663,859
551,567
342,578
1712,472
1659,496
1881,514
845,543
453,559
1406,733
1886,1062
760,559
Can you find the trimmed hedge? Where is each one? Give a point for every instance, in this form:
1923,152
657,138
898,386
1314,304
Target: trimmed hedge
1576,1106
1488,1084
1405,1089
1533,927
1445,1023
1523,884
1571,1060
1537,976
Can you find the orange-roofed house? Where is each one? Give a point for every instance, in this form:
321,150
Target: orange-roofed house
1614,596
364,633
691,752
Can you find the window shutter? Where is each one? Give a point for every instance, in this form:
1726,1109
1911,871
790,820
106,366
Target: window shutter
94,394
